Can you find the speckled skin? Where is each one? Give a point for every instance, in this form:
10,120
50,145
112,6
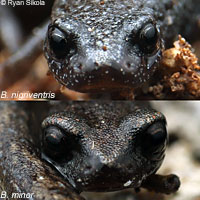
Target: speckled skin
105,57
109,148
107,154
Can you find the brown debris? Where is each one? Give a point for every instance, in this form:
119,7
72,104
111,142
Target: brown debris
180,73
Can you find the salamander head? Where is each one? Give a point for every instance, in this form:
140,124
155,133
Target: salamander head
102,153
92,47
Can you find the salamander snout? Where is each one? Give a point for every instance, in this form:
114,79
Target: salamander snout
86,74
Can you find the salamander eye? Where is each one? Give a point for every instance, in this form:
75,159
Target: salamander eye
148,38
59,144
61,44
154,141
54,141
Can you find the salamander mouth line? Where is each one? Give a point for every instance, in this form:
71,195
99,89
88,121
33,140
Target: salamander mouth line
95,77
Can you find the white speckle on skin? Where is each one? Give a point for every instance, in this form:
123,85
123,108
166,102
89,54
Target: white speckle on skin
128,183
169,20
4,172
79,180
91,29
41,178
93,145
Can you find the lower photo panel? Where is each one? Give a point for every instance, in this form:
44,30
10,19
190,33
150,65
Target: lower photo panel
100,150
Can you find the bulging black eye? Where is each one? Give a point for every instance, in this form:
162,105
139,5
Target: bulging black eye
59,144
154,140
148,38
61,44
54,141
156,134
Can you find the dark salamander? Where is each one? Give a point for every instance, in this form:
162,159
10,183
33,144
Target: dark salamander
95,45
94,146
94,153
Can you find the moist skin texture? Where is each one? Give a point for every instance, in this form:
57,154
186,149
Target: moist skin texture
95,46
105,147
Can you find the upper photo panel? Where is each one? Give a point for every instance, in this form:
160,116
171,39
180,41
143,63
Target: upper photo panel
99,49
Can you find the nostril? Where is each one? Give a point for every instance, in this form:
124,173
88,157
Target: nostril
88,167
92,165
128,65
80,66
96,64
